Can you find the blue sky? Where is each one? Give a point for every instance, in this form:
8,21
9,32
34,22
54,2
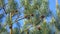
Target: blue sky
52,6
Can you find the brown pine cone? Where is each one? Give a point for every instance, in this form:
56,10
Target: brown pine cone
25,16
32,14
42,16
16,11
38,27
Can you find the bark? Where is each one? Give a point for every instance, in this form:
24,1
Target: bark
10,23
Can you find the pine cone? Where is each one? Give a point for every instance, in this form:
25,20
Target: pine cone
42,16
25,16
38,27
32,14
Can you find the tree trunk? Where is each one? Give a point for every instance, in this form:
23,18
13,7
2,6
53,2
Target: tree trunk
10,30
10,23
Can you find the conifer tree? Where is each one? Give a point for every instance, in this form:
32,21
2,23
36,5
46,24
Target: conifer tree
35,14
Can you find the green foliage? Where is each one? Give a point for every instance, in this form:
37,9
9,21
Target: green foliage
38,8
57,22
1,3
35,13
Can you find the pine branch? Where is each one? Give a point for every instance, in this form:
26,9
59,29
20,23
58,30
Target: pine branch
3,7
